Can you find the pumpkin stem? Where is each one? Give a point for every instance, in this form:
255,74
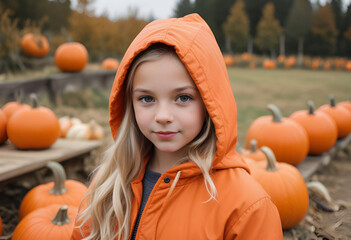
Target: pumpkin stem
33,97
59,176
332,100
61,217
271,161
253,145
310,107
277,115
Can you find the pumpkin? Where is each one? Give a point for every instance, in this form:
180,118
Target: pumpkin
281,58
66,123
345,104
315,63
253,152
327,64
285,185
228,60
110,63
3,123
90,131
348,66
61,191
290,62
35,45
33,128
71,57
0,226
285,137
245,56
268,64
11,107
341,116
320,127
51,222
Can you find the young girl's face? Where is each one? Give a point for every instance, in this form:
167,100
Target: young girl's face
167,105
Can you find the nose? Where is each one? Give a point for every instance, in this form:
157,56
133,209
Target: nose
164,114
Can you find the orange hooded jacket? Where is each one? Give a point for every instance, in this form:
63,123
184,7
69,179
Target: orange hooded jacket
242,209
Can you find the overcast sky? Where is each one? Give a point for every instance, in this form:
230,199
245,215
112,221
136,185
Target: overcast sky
146,8
115,9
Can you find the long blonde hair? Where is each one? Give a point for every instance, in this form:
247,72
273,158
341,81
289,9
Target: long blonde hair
110,199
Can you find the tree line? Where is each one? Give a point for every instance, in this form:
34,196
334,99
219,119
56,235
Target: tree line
270,27
276,27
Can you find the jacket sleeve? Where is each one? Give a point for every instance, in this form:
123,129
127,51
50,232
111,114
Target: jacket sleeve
260,221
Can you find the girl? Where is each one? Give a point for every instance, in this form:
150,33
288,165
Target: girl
173,172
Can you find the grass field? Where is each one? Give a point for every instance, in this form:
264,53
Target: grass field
288,89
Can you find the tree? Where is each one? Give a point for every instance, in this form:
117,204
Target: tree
184,7
336,6
298,24
323,33
236,28
268,30
56,12
347,33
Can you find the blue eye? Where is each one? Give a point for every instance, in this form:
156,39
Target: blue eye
146,99
184,98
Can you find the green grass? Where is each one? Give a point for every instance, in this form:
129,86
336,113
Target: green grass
289,90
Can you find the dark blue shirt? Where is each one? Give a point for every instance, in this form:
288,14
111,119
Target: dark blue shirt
149,181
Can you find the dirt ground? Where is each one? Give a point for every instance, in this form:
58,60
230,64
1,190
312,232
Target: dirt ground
319,222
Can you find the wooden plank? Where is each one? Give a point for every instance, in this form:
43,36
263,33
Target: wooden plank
14,162
312,163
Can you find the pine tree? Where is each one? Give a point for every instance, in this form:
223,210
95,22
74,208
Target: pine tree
323,32
236,27
298,24
336,5
268,30
183,8
347,33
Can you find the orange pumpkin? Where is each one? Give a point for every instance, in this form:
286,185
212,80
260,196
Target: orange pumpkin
245,56
51,222
315,63
341,116
320,127
345,104
3,123
285,185
268,64
285,137
33,128
61,191
348,66
253,152
0,226
11,107
35,45
228,59
290,62
281,58
71,57
327,64
110,63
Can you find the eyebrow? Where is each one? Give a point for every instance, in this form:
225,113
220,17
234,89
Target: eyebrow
180,89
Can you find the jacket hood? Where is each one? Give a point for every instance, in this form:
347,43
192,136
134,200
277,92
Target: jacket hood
197,48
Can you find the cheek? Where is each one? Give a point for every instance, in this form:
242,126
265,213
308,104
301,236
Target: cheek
142,118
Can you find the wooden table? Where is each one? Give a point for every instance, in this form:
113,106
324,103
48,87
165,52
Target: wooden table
15,163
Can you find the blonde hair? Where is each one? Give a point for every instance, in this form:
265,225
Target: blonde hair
110,199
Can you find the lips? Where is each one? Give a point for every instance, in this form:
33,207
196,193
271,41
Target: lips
165,135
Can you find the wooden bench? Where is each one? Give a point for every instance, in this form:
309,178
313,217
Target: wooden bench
15,163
